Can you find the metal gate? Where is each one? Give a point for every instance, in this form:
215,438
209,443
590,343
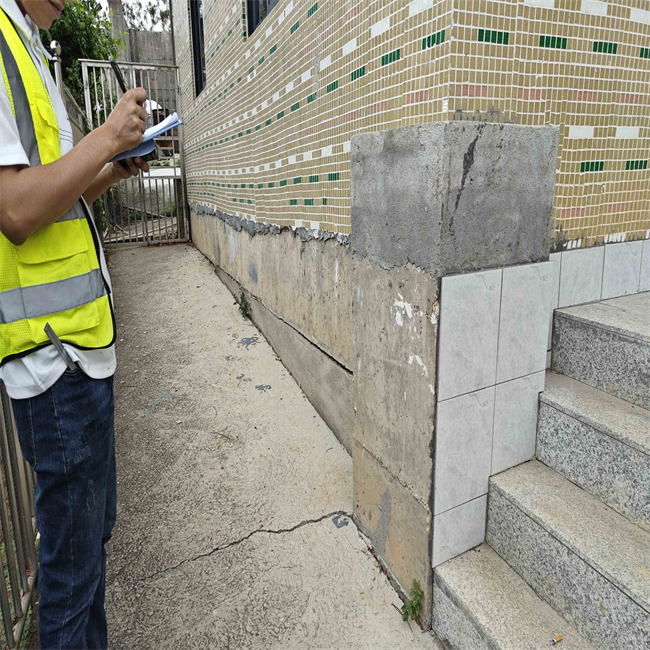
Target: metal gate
153,207
18,528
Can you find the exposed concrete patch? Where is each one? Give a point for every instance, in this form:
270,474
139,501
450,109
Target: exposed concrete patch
221,466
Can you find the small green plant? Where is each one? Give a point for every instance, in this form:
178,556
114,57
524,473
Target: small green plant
244,305
411,608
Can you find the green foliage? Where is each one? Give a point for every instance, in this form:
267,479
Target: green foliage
146,14
244,305
411,608
83,32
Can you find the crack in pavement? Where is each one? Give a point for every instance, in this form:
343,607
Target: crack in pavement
223,547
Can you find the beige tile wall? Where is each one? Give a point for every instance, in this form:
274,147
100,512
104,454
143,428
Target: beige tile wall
268,138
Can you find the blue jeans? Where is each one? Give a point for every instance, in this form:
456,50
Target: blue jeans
66,435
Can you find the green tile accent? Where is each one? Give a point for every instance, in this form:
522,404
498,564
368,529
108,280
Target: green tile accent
260,61
232,85
297,179
239,80
433,39
311,98
645,53
260,186
312,10
295,107
283,183
239,135
333,177
280,115
295,26
313,179
250,202
252,69
554,42
605,48
251,186
636,164
309,201
229,32
234,200
358,73
333,86
493,36
293,201
324,201
249,131
258,127
390,58
592,166
271,185
273,49
268,122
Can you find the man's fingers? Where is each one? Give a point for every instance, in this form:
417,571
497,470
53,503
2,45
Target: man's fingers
139,94
142,114
142,164
133,168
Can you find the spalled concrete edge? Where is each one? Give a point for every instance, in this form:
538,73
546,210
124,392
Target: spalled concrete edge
337,413
253,228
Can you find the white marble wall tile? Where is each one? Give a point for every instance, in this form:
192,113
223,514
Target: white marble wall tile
459,529
523,330
581,276
556,260
515,421
469,321
622,269
463,448
644,282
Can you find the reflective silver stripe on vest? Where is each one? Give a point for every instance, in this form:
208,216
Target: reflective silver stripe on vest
75,212
50,298
21,103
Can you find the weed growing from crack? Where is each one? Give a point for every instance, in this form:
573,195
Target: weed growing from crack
244,305
411,608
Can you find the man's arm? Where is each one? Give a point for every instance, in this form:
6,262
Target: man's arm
111,174
32,198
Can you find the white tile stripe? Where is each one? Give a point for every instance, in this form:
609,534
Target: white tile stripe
581,131
546,4
640,16
593,7
627,131
418,6
380,27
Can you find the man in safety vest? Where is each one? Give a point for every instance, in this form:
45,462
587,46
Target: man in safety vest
57,328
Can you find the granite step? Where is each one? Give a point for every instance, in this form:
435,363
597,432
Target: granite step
606,345
591,564
599,442
480,603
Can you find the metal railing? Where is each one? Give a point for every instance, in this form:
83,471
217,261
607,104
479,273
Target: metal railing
18,520
152,207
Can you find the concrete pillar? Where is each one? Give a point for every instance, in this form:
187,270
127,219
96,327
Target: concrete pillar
432,202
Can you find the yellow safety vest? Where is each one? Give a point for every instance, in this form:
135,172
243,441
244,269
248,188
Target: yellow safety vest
54,277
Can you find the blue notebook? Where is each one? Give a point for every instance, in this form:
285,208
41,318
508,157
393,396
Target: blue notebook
148,145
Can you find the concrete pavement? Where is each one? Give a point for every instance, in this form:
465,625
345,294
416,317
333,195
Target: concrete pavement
234,498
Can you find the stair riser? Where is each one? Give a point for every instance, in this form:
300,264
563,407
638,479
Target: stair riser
616,473
582,596
452,625
609,361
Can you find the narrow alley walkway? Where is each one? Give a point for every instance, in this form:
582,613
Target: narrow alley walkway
233,495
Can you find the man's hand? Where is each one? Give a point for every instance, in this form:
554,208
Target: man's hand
126,124
132,168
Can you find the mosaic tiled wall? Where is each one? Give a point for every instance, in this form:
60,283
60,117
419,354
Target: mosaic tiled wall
269,137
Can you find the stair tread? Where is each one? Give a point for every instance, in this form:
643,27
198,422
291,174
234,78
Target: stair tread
502,605
627,422
604,539
627,315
